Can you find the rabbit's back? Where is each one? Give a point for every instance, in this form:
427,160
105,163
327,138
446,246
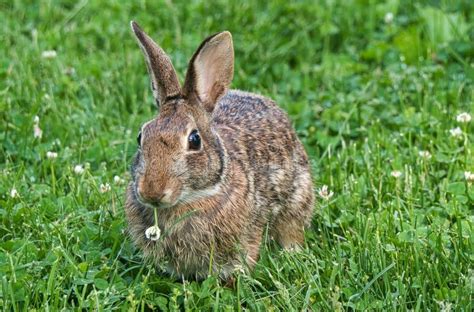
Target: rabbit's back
263,129
259,135
250,112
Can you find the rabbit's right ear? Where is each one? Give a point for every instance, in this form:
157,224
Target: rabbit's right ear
164,81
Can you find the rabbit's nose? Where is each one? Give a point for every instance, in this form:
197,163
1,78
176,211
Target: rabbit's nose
153,199
151,196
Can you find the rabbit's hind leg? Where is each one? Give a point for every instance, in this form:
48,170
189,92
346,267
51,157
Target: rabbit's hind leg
294,215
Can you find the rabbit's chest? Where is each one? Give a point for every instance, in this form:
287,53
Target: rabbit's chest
191,246
187,249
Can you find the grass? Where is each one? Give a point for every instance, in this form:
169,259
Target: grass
366,95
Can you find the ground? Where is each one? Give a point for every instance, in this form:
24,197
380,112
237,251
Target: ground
376,92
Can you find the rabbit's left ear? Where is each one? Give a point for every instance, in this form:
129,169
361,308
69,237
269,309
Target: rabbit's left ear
211,70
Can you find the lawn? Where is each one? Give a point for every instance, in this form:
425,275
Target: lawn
380,95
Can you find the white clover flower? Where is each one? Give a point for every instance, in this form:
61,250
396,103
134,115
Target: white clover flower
396,174
51,155
444,306
104,188
118,180
456,132
425,154
69,71
153,233
325,193
49,54
239,268
37,132
469,176
463,117
78,169
388,18
14,193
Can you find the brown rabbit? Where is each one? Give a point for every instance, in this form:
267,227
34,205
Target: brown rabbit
218,165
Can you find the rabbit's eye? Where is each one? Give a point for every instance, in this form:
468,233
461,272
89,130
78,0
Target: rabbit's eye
194,140
139,139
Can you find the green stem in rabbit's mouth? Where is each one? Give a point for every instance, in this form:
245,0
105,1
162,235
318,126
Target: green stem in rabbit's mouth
155,214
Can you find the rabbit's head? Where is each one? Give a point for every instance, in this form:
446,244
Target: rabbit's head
180,157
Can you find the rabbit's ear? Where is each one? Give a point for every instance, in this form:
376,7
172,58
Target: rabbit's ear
164,81
211,70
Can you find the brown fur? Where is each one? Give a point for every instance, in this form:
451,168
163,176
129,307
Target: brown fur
215,203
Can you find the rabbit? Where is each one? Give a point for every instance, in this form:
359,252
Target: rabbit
221,167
